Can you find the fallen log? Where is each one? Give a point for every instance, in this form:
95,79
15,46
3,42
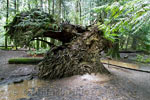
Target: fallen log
80,50
67,33
78,57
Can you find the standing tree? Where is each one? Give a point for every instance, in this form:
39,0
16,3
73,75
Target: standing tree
49,6
18,5
53,7
7,14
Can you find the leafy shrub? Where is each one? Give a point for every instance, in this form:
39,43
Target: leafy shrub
140,58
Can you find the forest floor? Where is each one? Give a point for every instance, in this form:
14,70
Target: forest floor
123,84
11,73
132,57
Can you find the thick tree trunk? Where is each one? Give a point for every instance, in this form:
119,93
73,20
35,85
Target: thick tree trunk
80,56
67,34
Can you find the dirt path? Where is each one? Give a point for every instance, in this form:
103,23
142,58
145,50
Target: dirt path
13,72
122,85
133,81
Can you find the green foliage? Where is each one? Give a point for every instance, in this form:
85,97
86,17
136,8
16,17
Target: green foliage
24,60
126,18
3,48
117,18
36,52
30,24
140,58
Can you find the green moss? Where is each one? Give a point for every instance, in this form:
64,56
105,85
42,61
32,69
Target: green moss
30,24
3,48
142,59
24,60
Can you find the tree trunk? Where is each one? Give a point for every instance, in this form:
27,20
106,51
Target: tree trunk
79,53
18,5
37,44
68,32
7,14
114,52
90,13
29,6
60,12
41,4
80,56
15,6
134,43
36,3
128,38
80,11
53,7
49,9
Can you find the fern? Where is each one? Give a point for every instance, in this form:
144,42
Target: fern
128,17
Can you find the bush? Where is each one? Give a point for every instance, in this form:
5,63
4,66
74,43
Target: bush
142,59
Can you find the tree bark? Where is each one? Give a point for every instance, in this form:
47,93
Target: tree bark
18,2
41,4
53,7
7,14
80,7
45,41
60,12
29,6
49,9
16,10
66,35
134,43
15,6
79,53
36,3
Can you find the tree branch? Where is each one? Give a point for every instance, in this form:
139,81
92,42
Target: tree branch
49,43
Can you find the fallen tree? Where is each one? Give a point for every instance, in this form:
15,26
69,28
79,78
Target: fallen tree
78,57
79,54
30,25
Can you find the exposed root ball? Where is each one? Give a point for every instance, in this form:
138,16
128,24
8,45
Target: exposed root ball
78,57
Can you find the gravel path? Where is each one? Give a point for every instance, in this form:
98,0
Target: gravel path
122,85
